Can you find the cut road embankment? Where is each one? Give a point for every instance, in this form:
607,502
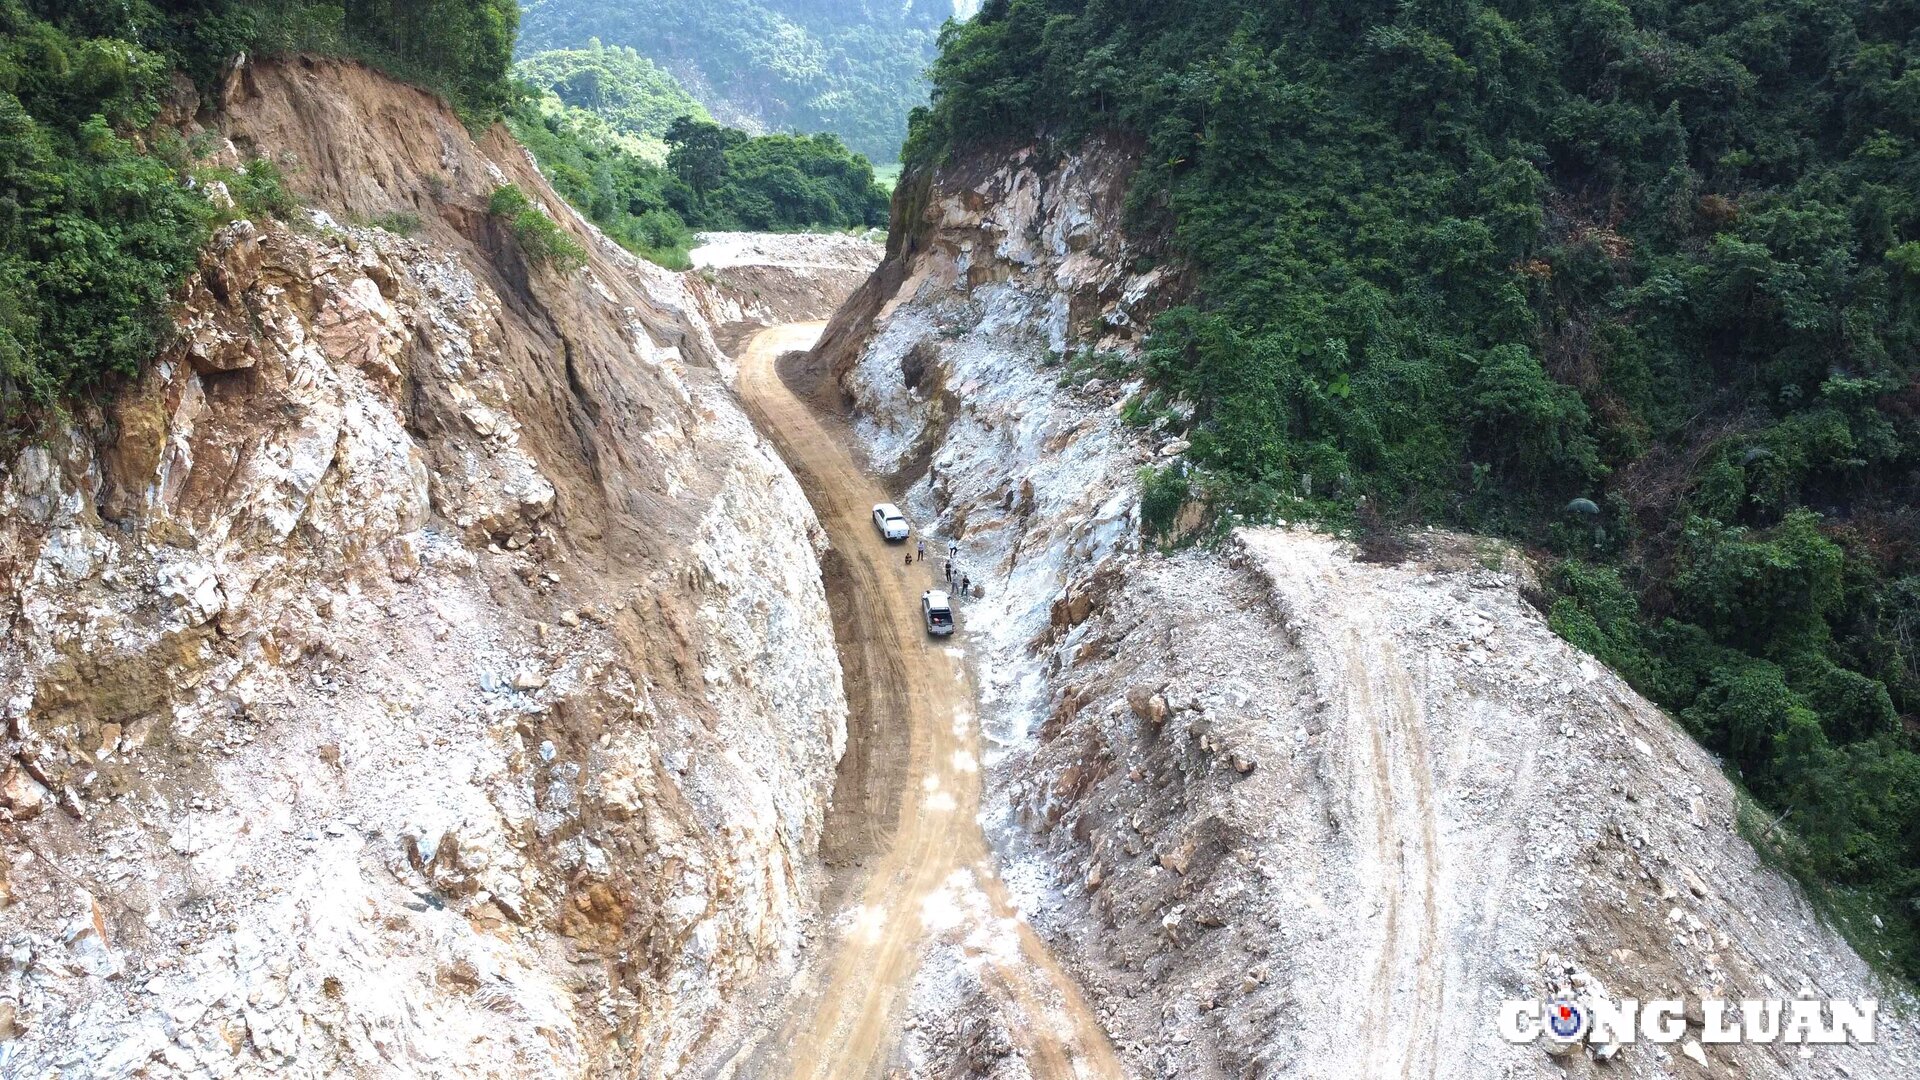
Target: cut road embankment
917,815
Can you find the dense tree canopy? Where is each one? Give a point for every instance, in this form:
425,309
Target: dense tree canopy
714,177
772,182
852,67
93,233
97,226
635,100
1635,281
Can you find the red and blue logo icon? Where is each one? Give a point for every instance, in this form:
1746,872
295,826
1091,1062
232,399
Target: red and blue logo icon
1567,1020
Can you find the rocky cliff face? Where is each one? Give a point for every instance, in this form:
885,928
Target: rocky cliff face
1289,813
422,669
746,281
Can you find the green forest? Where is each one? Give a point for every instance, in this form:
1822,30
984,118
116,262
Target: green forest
612,94
1633,282
99,219
622,141
851,67
100,213
714,178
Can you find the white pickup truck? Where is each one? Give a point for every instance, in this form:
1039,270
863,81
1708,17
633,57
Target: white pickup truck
891,522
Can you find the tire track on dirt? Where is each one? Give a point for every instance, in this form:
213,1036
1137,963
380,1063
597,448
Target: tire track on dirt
1408,983
845,1018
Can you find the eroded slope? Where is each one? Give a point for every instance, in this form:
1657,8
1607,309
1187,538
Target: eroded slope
423,669
1287,812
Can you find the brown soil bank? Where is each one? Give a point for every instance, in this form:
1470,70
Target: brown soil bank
422,669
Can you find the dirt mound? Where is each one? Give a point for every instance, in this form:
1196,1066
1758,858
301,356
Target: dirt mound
755,280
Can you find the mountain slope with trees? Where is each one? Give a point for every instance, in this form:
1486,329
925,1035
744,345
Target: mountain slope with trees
714,178
1636,282
634,101
852,67
101,216
98,219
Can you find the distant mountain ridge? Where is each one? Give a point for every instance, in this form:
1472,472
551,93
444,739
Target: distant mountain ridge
851,67
634,94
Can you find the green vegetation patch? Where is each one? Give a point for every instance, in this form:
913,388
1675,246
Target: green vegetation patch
541,239
93,233
851,67
617,87
1634,282
713,178
102,218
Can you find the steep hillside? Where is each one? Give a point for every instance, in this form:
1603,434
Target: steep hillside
101,222
1631,283
771,65
421,668
637,100
1287,808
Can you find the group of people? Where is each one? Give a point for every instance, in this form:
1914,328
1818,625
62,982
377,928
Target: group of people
953,557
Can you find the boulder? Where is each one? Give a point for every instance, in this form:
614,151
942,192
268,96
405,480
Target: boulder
1147,704
194,590
1072,609
1178,858
21,795
403,557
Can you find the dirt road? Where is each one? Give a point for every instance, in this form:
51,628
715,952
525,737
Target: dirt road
1408,983
917,818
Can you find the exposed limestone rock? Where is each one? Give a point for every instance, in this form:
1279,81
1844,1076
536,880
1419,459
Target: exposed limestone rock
748,280
1390,790
1147,704
327,805
21,796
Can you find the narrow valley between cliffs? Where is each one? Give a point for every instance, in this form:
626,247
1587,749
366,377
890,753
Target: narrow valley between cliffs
924,869
464,649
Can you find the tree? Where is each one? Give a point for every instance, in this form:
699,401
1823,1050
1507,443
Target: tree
697,153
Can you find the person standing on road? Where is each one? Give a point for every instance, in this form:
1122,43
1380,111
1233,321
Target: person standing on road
949,571
966,586
923,550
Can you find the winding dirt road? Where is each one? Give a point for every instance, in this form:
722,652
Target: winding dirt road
908,808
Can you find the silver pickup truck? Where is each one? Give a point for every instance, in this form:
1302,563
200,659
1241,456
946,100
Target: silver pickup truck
937,609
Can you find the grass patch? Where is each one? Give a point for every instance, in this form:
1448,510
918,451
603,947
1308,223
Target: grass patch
541,239
398,222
